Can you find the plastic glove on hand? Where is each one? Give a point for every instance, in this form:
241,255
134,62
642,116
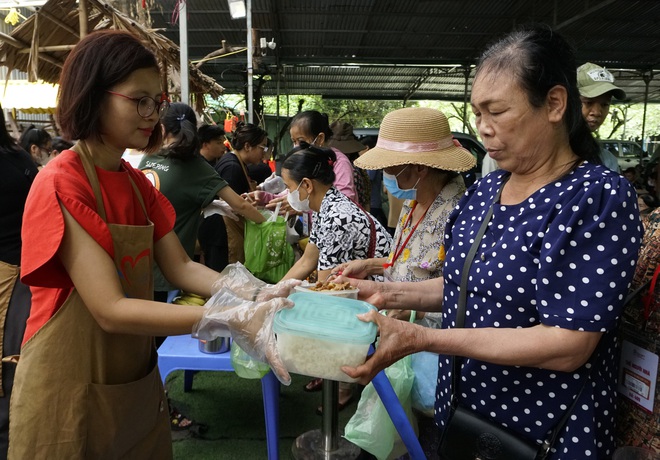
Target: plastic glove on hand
281,289
273,184
219,207
249,323
240,281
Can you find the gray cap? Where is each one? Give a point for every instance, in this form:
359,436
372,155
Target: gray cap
594,80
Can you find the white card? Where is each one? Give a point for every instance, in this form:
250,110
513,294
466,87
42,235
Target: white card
638,371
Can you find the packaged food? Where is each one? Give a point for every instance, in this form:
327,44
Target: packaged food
320,334
330,288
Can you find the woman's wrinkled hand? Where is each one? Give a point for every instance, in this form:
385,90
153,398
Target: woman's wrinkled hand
397,339
358,269
369,290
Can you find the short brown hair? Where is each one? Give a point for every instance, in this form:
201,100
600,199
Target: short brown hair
98,62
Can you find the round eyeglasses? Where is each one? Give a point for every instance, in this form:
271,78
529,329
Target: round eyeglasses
146,105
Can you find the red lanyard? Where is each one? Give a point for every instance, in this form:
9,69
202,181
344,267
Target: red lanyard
399,249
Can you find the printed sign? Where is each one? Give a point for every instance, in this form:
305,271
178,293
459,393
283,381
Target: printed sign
638,372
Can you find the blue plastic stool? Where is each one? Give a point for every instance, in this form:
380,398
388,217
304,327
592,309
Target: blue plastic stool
182,353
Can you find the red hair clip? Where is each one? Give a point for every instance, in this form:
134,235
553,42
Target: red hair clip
330,162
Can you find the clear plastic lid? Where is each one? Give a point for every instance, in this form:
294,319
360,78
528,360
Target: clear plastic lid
326,317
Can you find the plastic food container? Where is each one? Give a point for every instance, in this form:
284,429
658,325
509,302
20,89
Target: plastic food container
322,333
217,345
348,293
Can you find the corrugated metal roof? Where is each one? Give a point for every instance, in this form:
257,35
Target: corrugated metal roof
362,48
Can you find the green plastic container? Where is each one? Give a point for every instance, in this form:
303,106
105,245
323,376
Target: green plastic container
321,333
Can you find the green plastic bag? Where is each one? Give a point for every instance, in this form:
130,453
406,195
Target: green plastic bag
371,427
267,254
246,366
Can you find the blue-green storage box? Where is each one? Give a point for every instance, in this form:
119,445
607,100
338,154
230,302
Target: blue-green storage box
321,333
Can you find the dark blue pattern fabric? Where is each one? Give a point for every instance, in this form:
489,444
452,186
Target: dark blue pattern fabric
564,257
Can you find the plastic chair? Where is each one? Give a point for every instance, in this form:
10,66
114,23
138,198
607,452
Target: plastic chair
182,353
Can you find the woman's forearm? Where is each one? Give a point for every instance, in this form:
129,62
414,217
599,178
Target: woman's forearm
539,346
423,295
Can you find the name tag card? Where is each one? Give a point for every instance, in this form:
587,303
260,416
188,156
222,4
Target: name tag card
638,371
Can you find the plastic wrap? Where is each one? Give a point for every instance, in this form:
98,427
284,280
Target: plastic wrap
250,324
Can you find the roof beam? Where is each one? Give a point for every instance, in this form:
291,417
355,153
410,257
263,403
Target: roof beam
584,14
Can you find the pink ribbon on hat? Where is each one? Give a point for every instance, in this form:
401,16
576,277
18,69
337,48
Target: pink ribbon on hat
429,146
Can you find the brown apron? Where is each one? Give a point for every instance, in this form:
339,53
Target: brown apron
82,393
8,276
236,228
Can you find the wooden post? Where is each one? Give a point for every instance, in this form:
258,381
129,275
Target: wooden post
82,17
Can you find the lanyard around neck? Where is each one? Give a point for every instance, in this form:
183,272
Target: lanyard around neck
399,248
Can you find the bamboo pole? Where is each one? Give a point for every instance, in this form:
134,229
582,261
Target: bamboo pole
82,17
24,46
49,48
57,22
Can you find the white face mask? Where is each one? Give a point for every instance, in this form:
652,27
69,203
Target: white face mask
296,203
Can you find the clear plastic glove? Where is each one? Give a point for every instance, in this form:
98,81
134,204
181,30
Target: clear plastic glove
273,184
219,207
245,285
250,325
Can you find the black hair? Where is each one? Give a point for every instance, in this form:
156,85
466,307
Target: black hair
650,200
207,133
311,162
180,121
6,140
34,136
539,59
313,122
247,133
98,62
60,144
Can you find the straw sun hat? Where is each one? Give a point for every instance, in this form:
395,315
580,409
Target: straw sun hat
418,136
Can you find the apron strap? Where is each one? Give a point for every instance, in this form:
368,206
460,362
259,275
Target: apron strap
88,164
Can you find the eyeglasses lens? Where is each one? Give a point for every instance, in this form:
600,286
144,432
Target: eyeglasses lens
146,106
163,107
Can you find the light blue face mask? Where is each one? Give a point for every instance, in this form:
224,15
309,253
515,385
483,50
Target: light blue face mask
392,186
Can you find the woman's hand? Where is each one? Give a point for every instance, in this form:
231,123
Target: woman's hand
257,198
359,269
397,339
370,291
285,207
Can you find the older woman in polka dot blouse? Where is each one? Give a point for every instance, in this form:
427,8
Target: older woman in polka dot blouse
547,284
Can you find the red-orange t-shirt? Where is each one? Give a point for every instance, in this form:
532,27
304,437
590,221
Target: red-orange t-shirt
64,181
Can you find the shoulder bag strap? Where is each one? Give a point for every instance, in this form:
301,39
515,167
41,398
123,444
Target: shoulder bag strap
247,176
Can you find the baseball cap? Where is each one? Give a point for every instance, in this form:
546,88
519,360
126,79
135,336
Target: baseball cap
594,80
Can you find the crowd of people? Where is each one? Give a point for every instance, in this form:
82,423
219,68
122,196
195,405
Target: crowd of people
518,282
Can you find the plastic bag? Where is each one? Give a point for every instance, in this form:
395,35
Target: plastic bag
245,366
250,324
425,368
267,254
371,427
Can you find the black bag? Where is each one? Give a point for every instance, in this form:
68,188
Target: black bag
469,436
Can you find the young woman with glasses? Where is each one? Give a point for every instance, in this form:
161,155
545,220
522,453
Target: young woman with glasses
249,142
87,384
38,143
